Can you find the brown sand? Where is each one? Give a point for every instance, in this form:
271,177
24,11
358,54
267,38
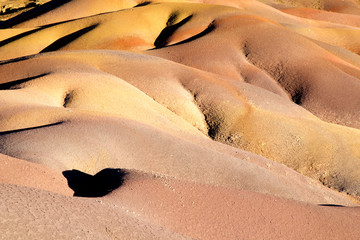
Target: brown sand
29,213
204,212
166,110
24,173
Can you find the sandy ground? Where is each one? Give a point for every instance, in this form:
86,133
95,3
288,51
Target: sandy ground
233,119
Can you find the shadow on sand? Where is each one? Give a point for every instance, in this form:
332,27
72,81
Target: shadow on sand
330,205
102,183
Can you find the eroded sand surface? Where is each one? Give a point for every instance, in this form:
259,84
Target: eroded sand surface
234,119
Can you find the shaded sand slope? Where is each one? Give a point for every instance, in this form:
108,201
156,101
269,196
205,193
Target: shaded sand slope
37,214
92,110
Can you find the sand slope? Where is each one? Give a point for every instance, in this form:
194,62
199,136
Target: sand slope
73,96
36,214
233,119
24,173
200,211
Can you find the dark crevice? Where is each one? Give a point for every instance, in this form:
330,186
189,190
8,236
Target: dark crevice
102,183
13,85
33,13
31,128
172,18
143,4
330,205
298,95
14,60
62,42
162,40
246,50
68,98
213,127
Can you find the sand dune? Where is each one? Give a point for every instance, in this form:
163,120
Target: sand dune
24,173
231,119
346,6
73,96
64,10
158,207
326,16
36,214
184,208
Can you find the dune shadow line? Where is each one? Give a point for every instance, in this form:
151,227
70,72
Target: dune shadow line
15,60
27,33
62,42
142,4
165,34
13,85
30,128
17,37
211,27
330,205
98,185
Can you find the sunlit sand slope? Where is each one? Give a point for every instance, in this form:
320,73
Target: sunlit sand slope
24,173
185,208
29,213
284,70
158,207
92,110
282,60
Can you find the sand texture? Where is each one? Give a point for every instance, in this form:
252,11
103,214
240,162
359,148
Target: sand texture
181,119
